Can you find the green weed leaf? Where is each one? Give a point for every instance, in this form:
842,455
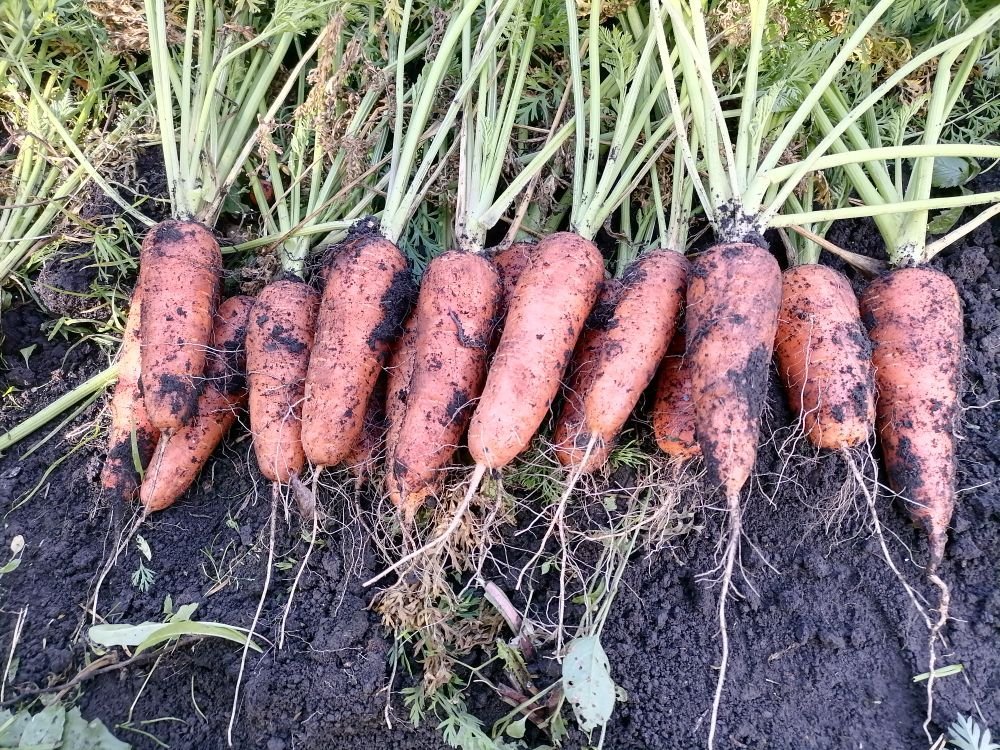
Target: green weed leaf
966,734
80,734
953,171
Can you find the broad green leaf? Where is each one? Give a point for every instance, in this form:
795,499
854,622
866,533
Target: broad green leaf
12,727
146,635
122,635
45,729
188,627
587,683
11,566
953,171
184,612
516,729
80,734
944,221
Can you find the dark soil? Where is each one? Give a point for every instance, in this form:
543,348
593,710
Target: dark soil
824,645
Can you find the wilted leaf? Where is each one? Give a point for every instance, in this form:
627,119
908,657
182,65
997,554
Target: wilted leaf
587,683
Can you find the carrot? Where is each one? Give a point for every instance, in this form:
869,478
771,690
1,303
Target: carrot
824,357
673,408
550,305
510,264
367,292
119,475
366,453
570,436
180,455
453,323
627,352
914,318
179,273
279,339
400,371
732,317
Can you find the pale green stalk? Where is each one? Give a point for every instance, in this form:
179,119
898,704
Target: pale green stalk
95,384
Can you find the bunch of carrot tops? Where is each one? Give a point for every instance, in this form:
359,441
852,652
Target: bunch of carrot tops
502,150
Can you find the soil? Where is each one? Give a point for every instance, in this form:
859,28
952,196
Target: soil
825,644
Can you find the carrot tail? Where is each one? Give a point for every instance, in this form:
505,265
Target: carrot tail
181,455
129,419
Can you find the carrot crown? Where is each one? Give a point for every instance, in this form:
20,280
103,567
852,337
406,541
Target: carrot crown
406,186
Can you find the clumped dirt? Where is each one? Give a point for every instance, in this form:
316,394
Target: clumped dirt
824,641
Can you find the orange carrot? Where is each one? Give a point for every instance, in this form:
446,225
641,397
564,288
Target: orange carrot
550,305
367,293
128,416
914,318
824,357
732,316
570,435
400,371
279,339
510,264
367,452
626,354
452,324
180,456
179,273
673,410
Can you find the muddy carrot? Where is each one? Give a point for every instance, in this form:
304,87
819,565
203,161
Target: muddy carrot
181,455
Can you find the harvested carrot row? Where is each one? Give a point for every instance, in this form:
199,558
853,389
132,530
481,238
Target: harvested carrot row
279,339
673,408
366,297
914,317
824,357
627,352
119,475
179,273
180,456
453,323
